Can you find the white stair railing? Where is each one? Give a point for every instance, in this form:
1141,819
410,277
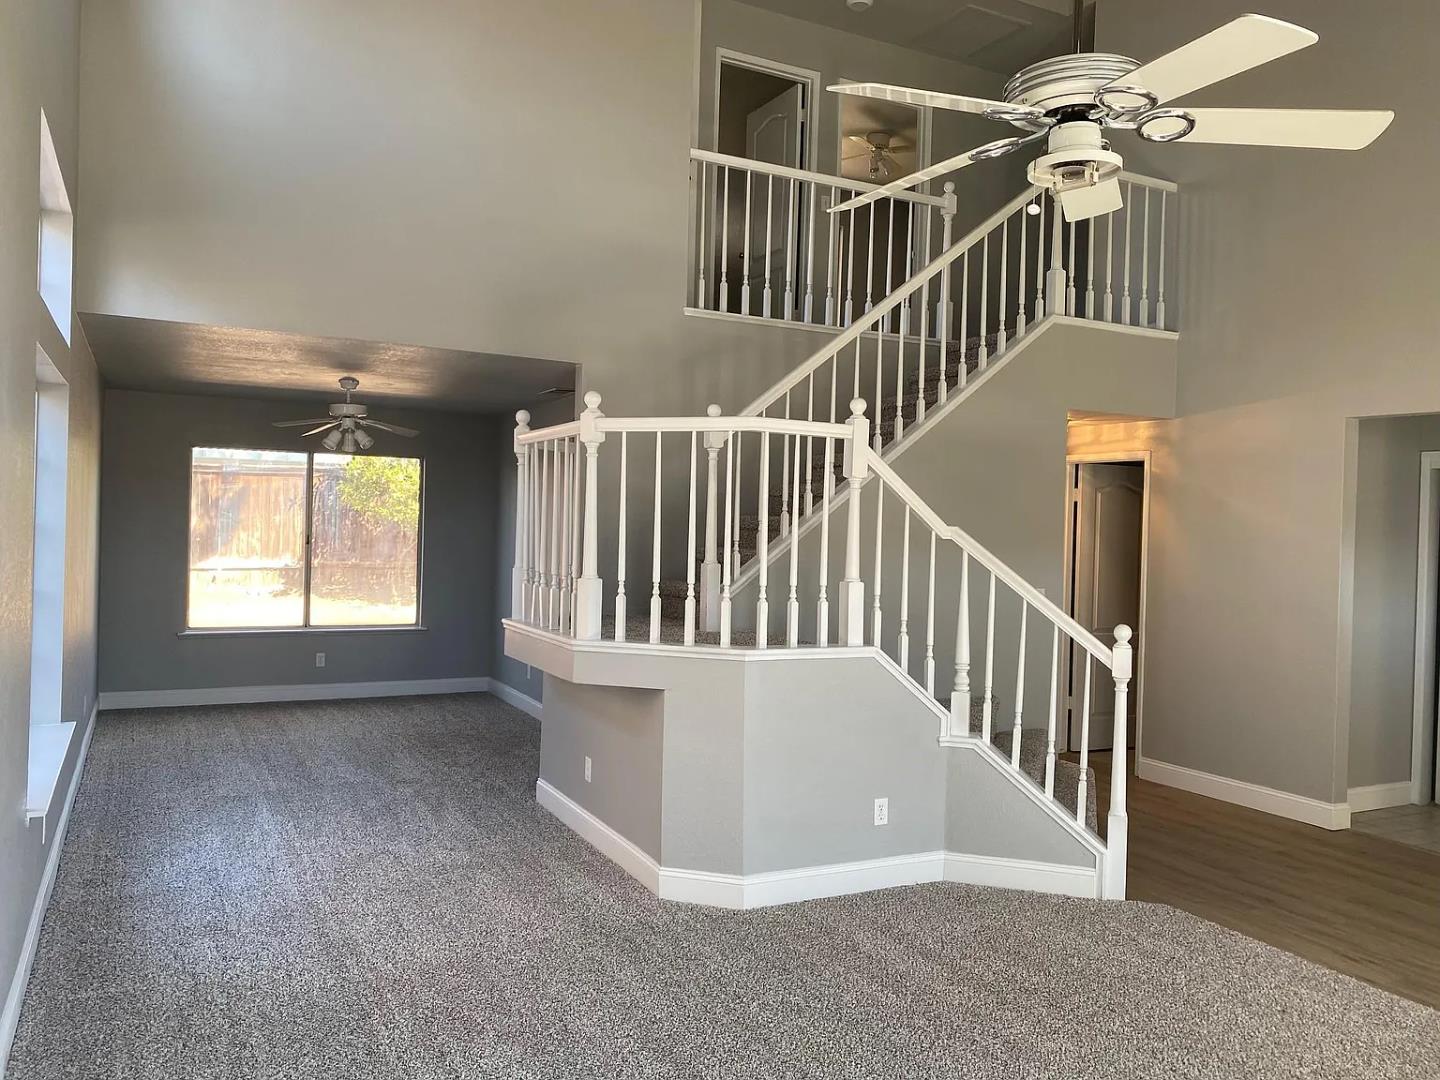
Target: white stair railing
765,244
558,586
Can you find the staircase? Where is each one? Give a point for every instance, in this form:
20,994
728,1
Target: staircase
795,532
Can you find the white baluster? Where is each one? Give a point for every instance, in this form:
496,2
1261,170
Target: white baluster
730,530
943,330
1118,824
769,244
822,604
924,345
1109,266
745,263
791,206
1070,274
831,308
1081,793
809,449
734,553
690,550
960,694
1019,690
1004,273
811,209
1020,284
1160,279
1125,284
879,535
903,639
1090,268
620,538
987,707
575,542
1145,261
930,625
879,388
785,477
519,586
762,546
889,266
655,548
724,304
850,270
1054,711
710,567
589,589
1040,259
792,601
852,589
870,257
964,316
562,537
899,394
701,300
540,602
984,301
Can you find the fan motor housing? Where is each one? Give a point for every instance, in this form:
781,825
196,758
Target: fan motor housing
1077,156
1067,82
347,409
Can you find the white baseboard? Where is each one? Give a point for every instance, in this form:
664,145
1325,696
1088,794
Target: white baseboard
1255,796
247,695
10,1016
600,836
1002,873
1379,796
747,891
524,702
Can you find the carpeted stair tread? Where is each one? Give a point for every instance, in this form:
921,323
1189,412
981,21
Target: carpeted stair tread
1032,760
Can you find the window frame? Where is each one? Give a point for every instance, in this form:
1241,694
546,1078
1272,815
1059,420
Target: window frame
186,630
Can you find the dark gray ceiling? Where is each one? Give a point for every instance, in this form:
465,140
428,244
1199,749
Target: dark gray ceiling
997,35
149,354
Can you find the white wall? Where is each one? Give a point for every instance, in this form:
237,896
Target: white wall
1307,298
38,52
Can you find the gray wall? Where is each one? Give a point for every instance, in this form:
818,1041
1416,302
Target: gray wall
145,493
38,55
1387,523
1307,297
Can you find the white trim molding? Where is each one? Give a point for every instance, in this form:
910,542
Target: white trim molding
249,695
1284,804
522,701
1379,796
10,1016
747,891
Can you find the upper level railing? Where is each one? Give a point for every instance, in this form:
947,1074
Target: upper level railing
557,586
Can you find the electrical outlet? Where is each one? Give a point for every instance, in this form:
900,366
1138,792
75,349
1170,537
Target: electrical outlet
319,659
587,770
882,811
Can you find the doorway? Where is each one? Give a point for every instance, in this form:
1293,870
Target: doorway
1107,527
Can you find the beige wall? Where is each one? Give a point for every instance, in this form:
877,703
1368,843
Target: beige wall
1308,298
38,52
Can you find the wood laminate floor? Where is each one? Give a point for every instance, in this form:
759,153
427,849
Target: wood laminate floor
1358,903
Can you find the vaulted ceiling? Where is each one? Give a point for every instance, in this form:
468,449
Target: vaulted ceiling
998,35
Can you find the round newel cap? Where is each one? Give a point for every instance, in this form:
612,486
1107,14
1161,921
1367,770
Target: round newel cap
857,406
592,399
522,417
712,410
1123,634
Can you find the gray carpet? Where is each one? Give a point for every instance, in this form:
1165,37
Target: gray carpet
369,890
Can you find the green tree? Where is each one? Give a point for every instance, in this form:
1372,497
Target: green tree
382,489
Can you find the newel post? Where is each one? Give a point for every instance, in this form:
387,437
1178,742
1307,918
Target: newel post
589,590
857,467
1055,282
945,309
1119,821
520,575
710,565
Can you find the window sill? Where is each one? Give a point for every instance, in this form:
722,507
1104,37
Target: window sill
289,631
49,746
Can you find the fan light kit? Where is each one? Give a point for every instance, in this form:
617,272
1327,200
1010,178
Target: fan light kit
344,428
1072,102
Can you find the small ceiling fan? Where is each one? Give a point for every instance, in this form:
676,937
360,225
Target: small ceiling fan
1073,101
881,147
346,423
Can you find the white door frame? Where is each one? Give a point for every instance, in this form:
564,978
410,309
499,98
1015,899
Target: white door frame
1117,457
811,80
1424,758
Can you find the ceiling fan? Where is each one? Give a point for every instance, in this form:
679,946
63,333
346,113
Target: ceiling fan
1073,101
346,424
881,147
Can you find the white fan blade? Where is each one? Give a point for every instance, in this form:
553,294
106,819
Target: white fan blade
940,168
1239,45
930,98
323,427
393,429
1318,129
301,423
